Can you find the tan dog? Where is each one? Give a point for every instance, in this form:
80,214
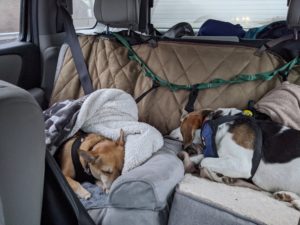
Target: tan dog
103,158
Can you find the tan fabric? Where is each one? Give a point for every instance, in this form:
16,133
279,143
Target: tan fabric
181,63
282,104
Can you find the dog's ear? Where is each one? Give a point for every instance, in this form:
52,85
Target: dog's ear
188,138
90,141
87,156
121,139
183,115
217,114
206,112
188,130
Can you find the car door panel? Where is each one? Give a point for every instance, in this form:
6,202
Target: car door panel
20,64
11,66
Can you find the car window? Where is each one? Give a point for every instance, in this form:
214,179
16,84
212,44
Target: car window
248,13
9,20
83,14
166,13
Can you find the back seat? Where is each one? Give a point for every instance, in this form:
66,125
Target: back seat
180,61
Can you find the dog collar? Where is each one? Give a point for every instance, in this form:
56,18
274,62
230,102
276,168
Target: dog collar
208,136
81,174
208,140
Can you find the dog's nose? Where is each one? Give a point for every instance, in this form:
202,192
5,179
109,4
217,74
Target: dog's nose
106,190
185,146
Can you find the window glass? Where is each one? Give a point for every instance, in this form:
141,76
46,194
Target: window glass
248,13
83,13
9,19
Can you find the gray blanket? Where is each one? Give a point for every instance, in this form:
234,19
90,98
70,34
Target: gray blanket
99,198
59,122
282,104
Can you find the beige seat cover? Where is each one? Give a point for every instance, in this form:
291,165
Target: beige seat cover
177,62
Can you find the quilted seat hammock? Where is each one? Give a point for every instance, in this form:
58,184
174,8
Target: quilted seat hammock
178,62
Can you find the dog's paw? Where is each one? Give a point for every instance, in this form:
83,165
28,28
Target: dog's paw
285,196
83,193
228,180
296,204
181,155
100,184
206,173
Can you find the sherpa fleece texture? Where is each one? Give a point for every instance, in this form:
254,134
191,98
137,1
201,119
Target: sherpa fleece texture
282,104
106,112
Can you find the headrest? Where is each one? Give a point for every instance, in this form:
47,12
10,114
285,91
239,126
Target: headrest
293,17
132,14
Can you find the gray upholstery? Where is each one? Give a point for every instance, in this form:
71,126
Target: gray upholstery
143,195
2,222
213,38
154,181
116,216
118,13
293,17
187,210
204,202
22,156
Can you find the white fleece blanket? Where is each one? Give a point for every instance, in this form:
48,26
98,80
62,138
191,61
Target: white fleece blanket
106,111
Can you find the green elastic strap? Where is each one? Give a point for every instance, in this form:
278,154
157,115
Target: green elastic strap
237,79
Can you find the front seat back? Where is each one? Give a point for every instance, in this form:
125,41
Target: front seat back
132,14
22,156
293,17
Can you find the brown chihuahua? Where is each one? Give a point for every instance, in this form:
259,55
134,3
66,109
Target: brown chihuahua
97,157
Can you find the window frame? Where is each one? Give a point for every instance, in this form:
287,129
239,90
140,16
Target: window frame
21,34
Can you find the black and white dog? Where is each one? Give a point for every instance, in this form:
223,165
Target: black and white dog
234,147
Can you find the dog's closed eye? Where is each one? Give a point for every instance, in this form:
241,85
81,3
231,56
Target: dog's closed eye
106,171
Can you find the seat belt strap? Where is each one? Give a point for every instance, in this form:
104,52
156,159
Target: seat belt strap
76,51
192,98
80,174
273,43
154,86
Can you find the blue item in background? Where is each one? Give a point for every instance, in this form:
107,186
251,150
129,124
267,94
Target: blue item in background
273,30
219,28
252,33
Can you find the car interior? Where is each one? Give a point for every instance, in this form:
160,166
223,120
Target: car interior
52,69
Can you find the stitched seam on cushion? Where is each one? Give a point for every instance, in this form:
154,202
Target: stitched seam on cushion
106,68
185,70
121,68
212,72
123,73
178,105
98,51
222,89
65,86
263,82
182,67
68,61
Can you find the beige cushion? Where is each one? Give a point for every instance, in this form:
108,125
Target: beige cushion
181,63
